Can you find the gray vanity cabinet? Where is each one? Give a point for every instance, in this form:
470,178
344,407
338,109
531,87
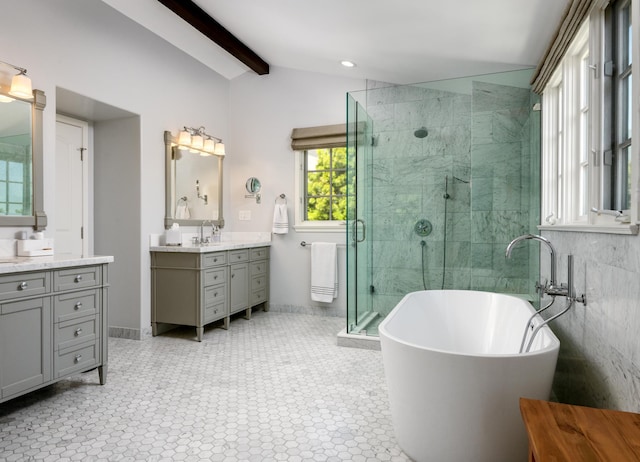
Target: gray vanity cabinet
188,289
25,346
259,277
52,325
239,281
200,287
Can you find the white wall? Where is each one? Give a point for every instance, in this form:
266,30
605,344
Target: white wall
263,111
90,49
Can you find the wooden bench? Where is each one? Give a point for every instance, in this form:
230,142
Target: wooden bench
566,433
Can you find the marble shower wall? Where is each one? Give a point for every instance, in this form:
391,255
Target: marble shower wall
502,199
478,149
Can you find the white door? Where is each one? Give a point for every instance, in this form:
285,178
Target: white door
71,187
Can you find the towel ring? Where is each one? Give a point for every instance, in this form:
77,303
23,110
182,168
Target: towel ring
281,196
183,199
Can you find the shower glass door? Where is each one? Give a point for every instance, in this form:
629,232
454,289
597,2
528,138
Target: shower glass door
359,209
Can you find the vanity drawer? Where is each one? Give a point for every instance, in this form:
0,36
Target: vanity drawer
258,283
174,260
214,295
72,333
214,312
260,253
75,305
214,259
238,256
258,296
258,267
215,276
76,278
70,360
24,285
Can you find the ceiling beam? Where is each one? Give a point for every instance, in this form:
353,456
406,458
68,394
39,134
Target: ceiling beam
200,19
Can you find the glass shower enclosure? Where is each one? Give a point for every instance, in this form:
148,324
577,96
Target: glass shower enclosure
441,176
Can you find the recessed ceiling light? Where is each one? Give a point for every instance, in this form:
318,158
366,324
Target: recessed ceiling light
347,63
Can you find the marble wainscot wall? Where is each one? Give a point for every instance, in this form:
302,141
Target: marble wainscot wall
599,361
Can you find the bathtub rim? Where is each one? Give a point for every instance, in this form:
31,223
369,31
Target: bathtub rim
383,332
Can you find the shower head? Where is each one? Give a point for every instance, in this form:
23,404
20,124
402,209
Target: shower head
421,132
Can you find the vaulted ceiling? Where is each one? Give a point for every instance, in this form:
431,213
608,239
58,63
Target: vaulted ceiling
400,41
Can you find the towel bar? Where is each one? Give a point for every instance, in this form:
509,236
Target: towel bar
308,244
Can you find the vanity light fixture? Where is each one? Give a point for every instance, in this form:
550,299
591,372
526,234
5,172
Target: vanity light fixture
197,140
20,84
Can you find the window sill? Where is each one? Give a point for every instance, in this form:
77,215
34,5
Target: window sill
619,228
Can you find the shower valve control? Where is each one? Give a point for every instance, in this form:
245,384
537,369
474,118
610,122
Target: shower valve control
423,227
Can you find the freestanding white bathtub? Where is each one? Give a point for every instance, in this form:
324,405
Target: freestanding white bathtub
455,376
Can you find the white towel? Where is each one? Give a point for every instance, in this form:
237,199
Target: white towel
182,212
324,271
280,219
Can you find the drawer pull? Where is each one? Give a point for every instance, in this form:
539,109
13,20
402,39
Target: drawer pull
77,332
233,275
215,294
23,285
215,260
77,306
215,277
77,359
78,278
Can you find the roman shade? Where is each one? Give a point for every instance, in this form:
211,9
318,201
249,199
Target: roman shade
325,136
574,16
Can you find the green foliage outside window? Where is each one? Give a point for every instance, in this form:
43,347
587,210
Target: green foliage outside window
326,187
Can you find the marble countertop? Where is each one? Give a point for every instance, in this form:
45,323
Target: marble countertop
213,247
18,264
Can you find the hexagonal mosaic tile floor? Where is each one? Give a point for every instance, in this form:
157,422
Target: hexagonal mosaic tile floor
274,388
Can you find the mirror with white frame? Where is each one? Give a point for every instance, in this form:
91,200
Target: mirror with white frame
193,191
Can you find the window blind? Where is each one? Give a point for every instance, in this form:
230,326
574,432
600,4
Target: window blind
325,136
574,16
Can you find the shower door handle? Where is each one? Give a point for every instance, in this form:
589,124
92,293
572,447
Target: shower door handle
364,230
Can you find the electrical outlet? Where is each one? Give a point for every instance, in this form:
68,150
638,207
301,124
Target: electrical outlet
244,215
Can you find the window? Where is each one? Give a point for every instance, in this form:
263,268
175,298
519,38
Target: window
321,178
587,127
325,172
14,186
618,70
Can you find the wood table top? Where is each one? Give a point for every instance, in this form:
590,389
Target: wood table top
567,433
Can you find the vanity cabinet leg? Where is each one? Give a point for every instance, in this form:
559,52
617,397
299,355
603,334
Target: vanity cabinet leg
225,325
199,333
102,374
154,329
247,313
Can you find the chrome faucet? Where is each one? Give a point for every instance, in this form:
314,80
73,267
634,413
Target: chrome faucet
552,288
202,237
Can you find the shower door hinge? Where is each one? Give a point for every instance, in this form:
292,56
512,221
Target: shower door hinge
82,150
81,232
374,141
